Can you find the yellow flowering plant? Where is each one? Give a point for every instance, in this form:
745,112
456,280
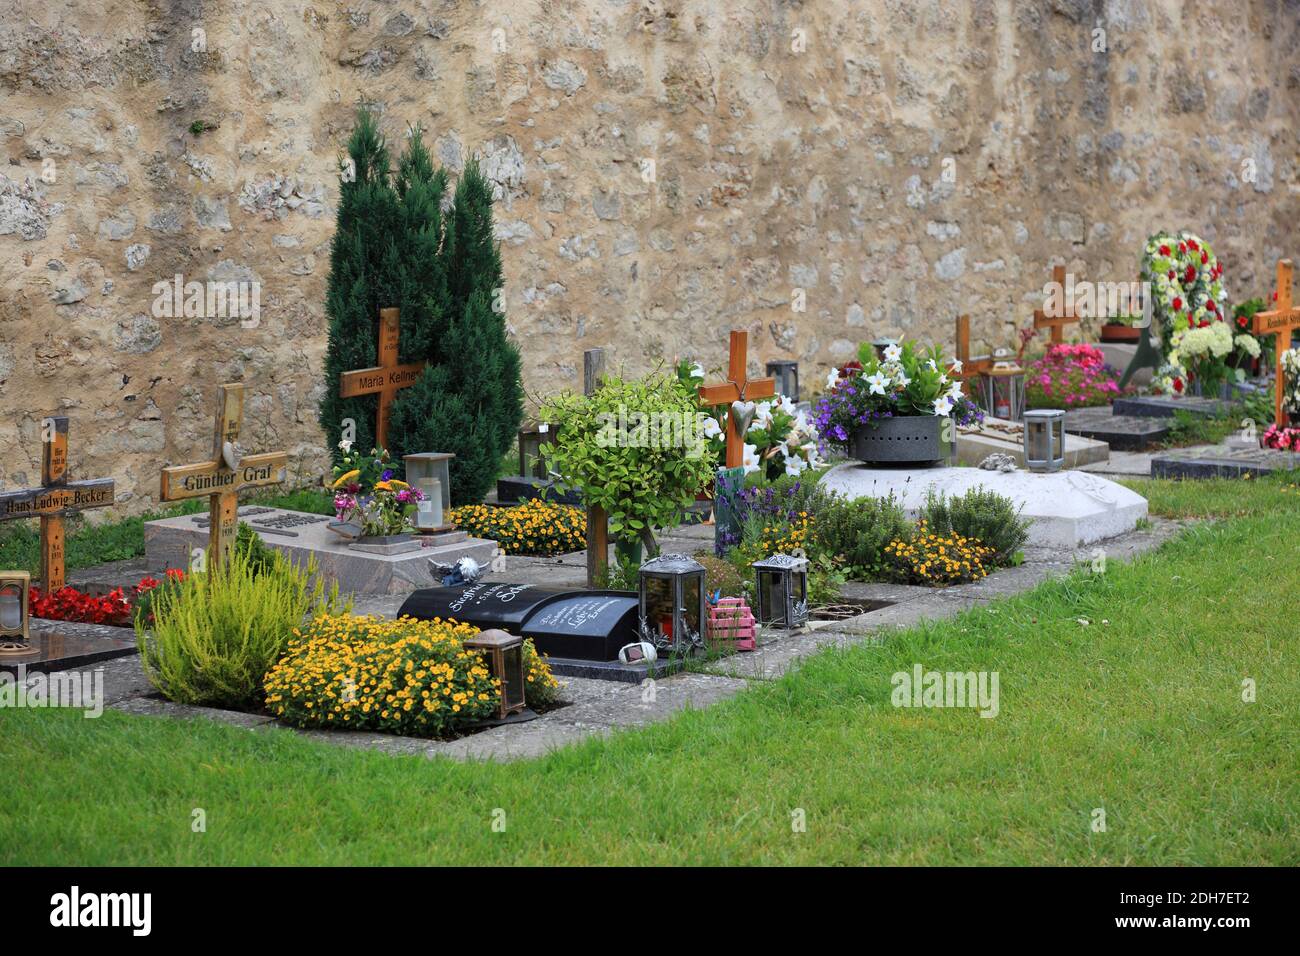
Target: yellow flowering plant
938,559
399,676
537,528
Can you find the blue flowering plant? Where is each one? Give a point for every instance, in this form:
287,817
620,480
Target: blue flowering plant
906,380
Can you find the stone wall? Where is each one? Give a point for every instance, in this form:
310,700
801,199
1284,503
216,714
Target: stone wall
668,169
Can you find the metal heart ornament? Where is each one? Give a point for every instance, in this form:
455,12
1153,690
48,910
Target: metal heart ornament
742,413
231,454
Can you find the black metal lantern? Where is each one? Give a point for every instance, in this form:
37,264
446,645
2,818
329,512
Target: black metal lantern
15,637
531,439
786,373
1045,439
672,603
505,653
782,599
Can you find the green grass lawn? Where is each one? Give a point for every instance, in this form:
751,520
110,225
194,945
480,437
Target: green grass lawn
1138,712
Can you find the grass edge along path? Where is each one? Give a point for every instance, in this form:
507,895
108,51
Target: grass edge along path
1138,712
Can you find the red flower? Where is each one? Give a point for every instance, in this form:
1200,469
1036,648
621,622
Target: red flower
1191,244
1178,385
1164,250
1190,274
1204,258
849,367
1182,247
1172,273
1177,303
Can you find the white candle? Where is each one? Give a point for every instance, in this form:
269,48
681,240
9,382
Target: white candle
11,612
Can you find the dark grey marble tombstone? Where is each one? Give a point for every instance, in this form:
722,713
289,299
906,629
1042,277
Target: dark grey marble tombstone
563,623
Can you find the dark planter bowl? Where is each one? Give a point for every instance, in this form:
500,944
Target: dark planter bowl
1120,333
903,440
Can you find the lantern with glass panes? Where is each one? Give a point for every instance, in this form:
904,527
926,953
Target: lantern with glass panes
14,589
1002,387
532,436
430,473
786,373
505,654
782,599
672,603
1044,439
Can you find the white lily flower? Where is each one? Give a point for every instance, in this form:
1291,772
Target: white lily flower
345,445
902,380
710,426
955,391
877,382
943,406
795,465
893,353
762,415
697,370
956,366
749,458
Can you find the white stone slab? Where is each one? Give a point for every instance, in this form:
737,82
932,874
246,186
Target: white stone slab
1068,508
169,542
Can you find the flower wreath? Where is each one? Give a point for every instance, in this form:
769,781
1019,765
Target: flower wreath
1186,281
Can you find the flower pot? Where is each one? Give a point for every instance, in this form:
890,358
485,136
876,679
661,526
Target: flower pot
1120,333
901,440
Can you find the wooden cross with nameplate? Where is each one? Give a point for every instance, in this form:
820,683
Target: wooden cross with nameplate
1281,320
970,368
1057,323
385,378
223,476
739,388
56,499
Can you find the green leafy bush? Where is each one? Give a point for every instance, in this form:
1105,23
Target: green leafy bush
216,633
855,532
986,516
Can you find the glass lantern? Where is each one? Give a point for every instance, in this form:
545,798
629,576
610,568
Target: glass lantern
14,589
505,654
430,472
531,439
786,373
1045,439
782,591
672,599
1003,391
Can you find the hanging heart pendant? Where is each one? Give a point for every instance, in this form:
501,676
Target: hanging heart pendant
742,413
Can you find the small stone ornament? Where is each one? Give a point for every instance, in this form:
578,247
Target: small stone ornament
999,462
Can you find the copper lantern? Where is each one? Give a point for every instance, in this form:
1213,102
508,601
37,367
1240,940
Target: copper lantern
505,654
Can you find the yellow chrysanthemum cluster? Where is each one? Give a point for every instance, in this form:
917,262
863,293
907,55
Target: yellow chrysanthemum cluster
938,559
536,527
400,676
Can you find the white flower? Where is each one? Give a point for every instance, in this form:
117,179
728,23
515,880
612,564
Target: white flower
902,380
710,425
697,370
749,458
785,404
893,353
956,366
955,392
930,364
877,383
943,406
345,445
794,465
762,416
832,378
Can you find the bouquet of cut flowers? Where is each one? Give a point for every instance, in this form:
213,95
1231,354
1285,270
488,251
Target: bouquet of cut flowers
366,492
907,380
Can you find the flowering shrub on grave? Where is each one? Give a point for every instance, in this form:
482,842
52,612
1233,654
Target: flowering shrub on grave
938,559
779,441
1070,376
907,381
398,676
365,491
536,528
1286,439
115,608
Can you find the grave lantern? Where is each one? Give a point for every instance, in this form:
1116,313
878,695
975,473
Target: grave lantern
786,373
14,635
430,473
1044,439
505,654
672,603
1003,389
531,439
782,591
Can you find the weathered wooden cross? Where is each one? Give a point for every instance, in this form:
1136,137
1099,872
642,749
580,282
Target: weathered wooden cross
738,388
970,368
227,473
385,378
1057,323
56,499
1281,320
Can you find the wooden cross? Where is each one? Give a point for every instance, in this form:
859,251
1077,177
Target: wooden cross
1281,321
385,378
56,499
1057,323
738,388
227,473
970,368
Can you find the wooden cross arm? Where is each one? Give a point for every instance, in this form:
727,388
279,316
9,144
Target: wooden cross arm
760,388
65,499
725,394
368,381
1275,321
210,478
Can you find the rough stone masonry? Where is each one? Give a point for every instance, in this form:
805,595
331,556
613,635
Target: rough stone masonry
666,170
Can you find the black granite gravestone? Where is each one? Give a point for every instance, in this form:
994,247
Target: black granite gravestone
575,625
